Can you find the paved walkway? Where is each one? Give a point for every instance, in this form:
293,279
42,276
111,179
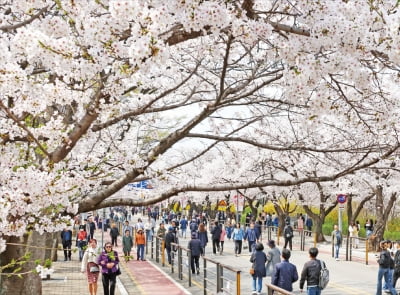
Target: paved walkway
149,277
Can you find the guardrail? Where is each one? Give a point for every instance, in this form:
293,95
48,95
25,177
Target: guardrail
356,248
275,290
217,277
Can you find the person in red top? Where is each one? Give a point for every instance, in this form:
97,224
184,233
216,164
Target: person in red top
81,242
140,241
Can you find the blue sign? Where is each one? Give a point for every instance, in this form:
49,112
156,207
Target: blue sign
144,184
342,198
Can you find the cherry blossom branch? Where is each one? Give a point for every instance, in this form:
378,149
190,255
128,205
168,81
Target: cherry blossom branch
8,28
30,137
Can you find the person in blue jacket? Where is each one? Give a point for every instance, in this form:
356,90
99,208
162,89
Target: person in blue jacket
285,273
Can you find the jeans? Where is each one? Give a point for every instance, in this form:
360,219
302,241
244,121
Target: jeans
238,246
386,284
140,252
384,273
194,263
252,245
314,290
337,250
257,286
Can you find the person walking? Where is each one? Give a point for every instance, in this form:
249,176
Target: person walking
127,244
215,235
237,237
140,241
311,273
288,235
337,239
273,258
300,224
170,238
222,239
258,258
183,225
114,233
194,246
127,227
81,242
203,237
285,273
309,225
108,262
66,240
90,267
384,261
251,237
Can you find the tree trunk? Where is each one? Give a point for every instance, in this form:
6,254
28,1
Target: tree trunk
382,216
30,283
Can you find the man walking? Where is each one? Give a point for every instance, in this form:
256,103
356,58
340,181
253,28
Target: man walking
66,240
195,247
285,273
310,273
336,240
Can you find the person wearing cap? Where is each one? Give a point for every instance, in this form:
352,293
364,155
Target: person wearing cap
140,241
170,238
196,250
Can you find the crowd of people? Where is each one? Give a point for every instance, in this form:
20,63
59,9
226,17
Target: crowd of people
273,262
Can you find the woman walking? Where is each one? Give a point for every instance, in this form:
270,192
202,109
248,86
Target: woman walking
237,237
109,261
258,258
90,266
127,244
203,237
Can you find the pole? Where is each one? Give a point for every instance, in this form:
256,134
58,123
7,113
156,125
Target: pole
237,209
340,218
102,225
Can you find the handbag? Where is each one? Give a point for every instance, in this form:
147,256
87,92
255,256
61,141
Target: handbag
118,272
94,268
252,271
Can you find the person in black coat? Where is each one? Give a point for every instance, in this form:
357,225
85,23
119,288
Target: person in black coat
196,250
216,234
170,238
258,258
285,273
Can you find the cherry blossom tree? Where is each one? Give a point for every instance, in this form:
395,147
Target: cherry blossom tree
193,95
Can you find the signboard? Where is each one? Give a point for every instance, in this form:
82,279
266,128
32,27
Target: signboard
144,184
222,205
238,200
341,198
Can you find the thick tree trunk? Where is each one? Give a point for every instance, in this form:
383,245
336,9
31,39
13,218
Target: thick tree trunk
30,283
382,216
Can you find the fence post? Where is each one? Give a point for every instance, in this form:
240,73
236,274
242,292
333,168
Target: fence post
366,251
157,250
189,252
180,261
347,247
218,278
205,276
238,283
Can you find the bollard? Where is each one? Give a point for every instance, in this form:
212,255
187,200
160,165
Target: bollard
366,251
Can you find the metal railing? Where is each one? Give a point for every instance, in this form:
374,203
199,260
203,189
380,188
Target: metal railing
275,290
217,277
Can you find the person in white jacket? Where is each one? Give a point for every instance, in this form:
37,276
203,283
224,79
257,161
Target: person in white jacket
90,266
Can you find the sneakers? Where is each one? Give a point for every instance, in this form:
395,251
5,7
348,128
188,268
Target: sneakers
337,259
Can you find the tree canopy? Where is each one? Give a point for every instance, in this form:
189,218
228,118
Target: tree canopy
191,95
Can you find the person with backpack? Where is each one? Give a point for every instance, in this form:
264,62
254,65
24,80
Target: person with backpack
288,235
384,261
311,274
336,240
193,226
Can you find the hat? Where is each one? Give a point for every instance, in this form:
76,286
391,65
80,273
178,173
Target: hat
170,228
271,243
